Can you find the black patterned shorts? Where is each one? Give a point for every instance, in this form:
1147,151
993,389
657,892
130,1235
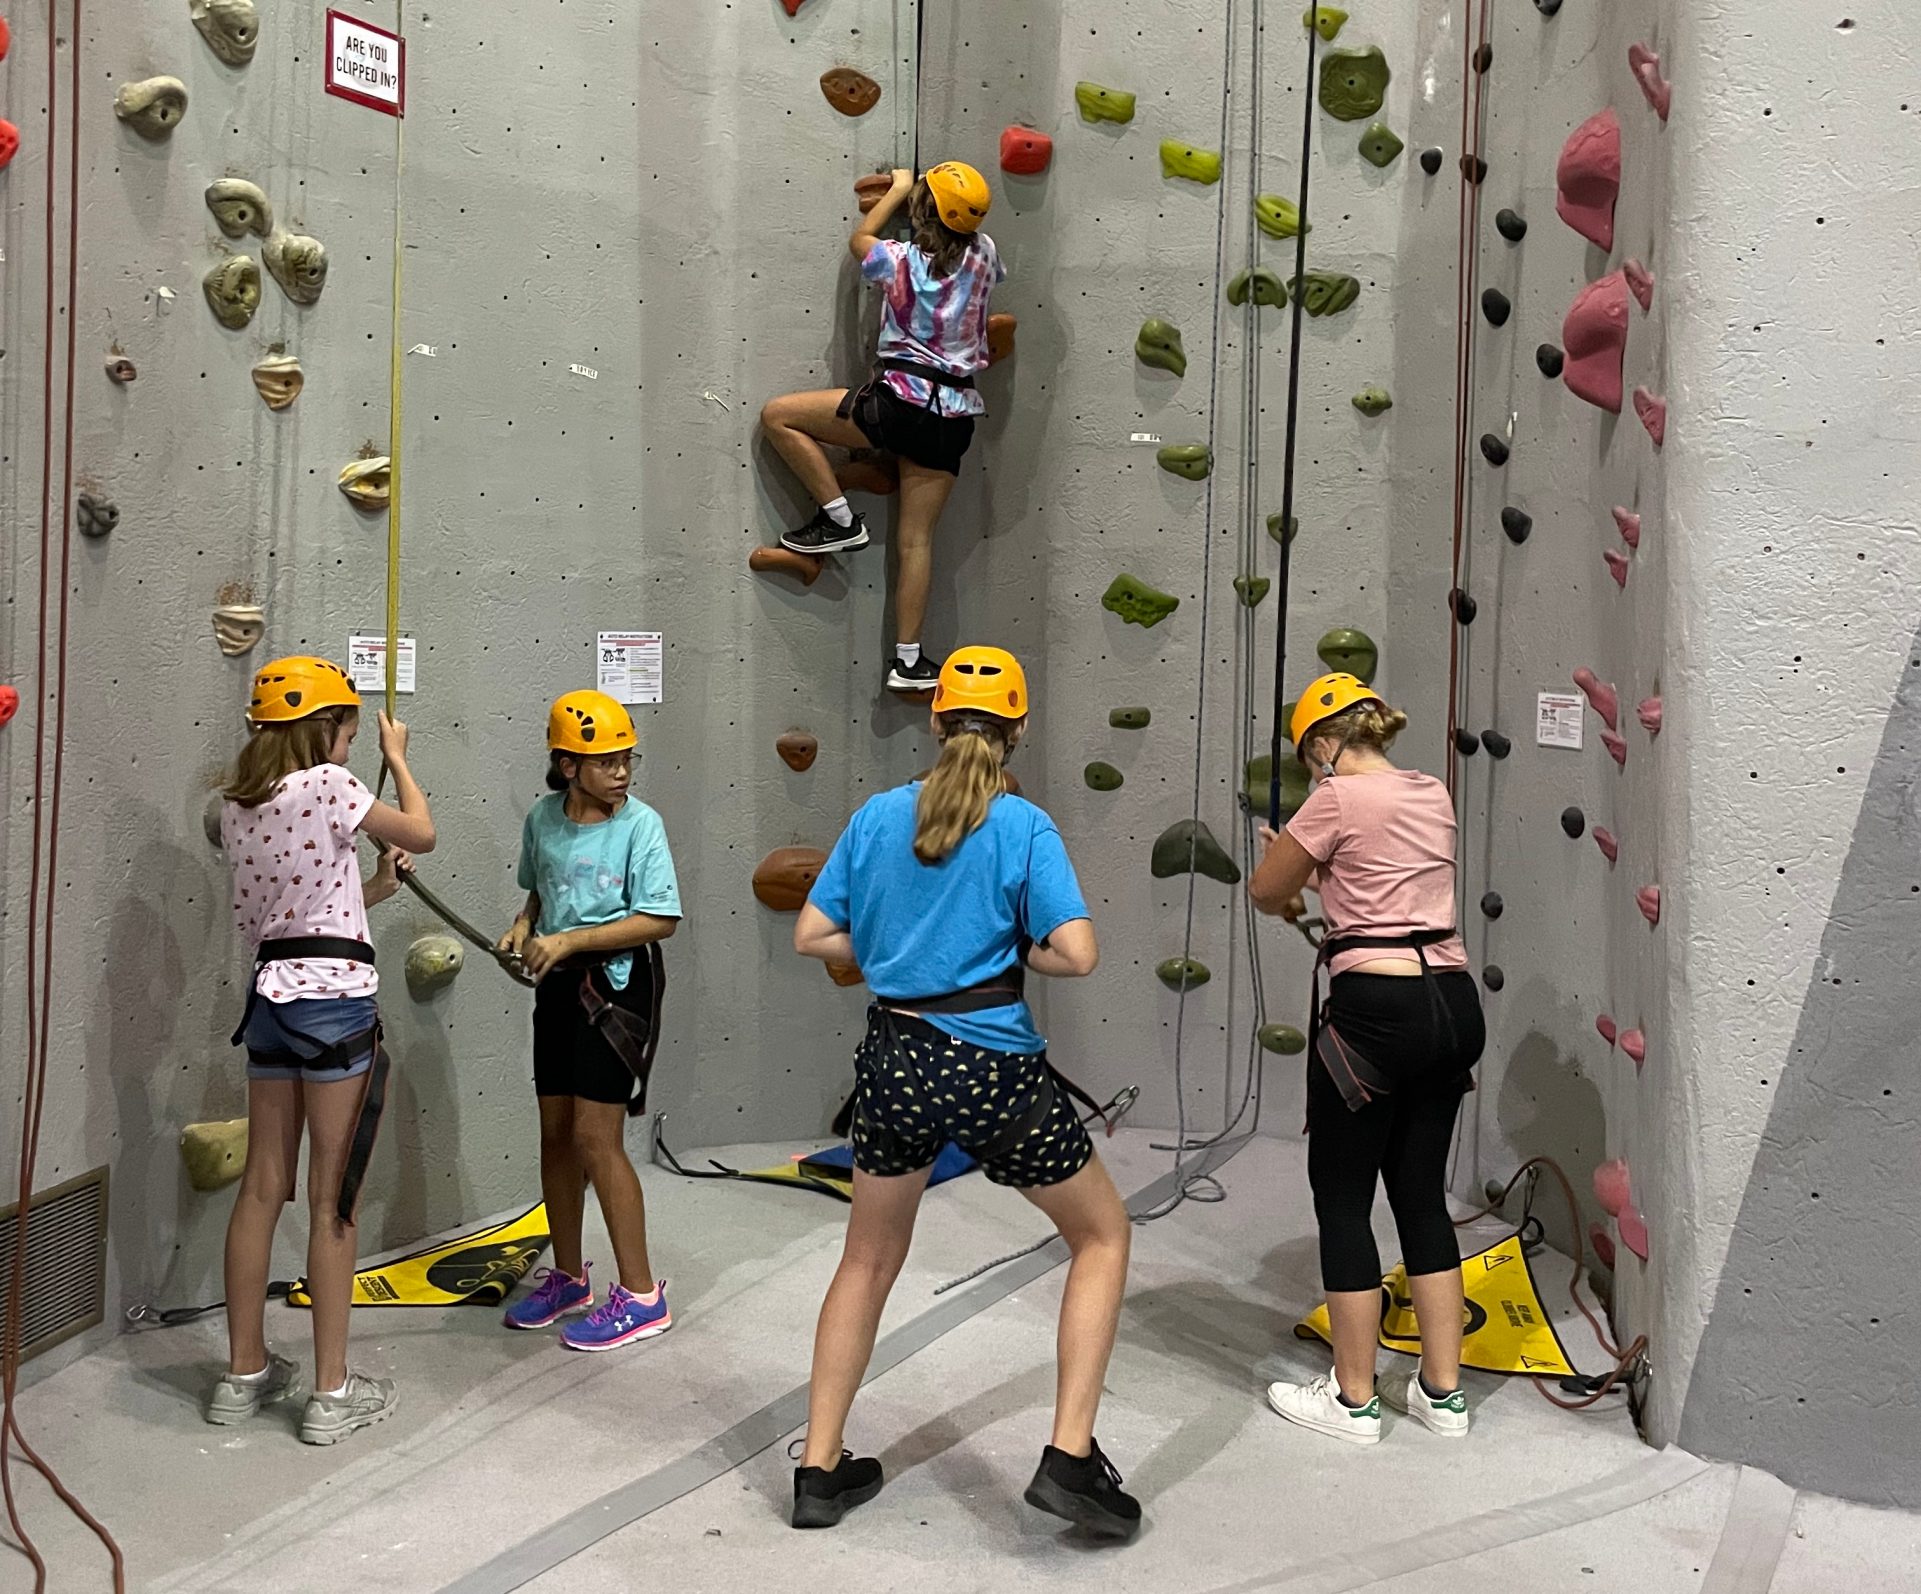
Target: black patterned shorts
916,1088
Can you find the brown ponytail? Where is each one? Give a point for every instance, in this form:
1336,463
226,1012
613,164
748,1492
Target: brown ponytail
954,798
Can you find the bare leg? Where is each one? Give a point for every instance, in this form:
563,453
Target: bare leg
923,495
332,1111
879,1231
1088,1211
1356,1316
797,424
1440,1310
599,1143
273,1156
563,1182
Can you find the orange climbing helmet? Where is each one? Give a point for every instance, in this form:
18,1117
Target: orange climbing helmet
961,195
587,723
1330,695
290,689
987,680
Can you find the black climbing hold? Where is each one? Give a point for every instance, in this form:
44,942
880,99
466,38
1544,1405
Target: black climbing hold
1431,161
1493,449
1496,306
1484,58
1574,822
1549,357
1463,605
1492,906
1511,225
1497,745
1493,977
1474,169
1517,524
1466,743
1547,8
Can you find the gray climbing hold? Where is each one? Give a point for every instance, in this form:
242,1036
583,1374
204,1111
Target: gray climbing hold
1550,359
240,207
1431,160
96,515
1463,606
1138,603
230,27
1547,8
1517,524
1496,306
1103,777
1574,822
210,819
1379,145
1511,225
152,107
1183,974
298,264
1466,743
1129,719
1265,287
1252,589
232,288
1188,846
432,963
1282,1038
1492,906
1493,449
1493,977
1373,401
1159,344
1497,745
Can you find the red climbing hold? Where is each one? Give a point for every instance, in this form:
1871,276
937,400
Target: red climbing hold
1617,563
1025,151
6,38
1000,337
1604,839
1648,900
1588,178
1594,337
1611,1188
1603,1244
1608,1028
9,703
793,6
1653,411
1634,1230
1602,698
1649,714
1646,67
1629,524
765,561
1617,748
9,141
1640,282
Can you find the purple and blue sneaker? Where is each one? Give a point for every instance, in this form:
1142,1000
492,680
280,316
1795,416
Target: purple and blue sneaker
622,1318
554,1297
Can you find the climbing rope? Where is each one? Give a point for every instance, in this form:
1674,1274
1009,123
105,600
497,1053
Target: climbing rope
394,361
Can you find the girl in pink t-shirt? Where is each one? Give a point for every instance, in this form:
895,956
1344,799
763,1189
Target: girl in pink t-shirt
1404,1020
288,826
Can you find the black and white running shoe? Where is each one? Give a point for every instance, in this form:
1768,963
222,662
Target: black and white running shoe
923,675
820,535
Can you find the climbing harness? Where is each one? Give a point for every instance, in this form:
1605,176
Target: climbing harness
1359,1080
634,1039
927,373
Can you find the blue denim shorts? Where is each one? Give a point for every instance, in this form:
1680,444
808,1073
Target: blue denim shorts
296,1027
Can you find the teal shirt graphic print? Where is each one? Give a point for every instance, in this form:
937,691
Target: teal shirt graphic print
594,874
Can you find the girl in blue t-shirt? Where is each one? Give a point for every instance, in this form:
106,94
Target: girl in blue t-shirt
601,894
945,892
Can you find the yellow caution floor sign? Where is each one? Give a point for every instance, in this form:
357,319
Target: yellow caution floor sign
478,1269
1507,1330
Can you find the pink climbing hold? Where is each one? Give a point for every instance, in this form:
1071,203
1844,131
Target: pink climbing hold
1654,414
1611,1188
1646,67
1648,900
9,703
1025,151
1634,1230
1640,282
1603,1244
1617,748
1649,714
1629,525
1594,337
1617,563
1604,839
1608,1028
1602,698
1635,1044
1588,179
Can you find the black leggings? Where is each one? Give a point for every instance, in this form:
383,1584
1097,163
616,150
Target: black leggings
1401,1138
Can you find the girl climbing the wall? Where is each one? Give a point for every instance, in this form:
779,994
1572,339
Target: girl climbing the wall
920,405
1390,1056
288,825
952,888
601,897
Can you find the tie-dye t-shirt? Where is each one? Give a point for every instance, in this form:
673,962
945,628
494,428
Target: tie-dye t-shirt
937,321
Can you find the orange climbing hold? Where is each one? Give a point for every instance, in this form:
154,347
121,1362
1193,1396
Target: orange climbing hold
845,974
1025,151
870,190
849,92
1000,338
786,875
784,561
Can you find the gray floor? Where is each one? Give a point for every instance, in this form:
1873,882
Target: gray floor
501,1434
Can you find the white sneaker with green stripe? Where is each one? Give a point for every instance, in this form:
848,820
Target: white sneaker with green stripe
1446,1416
1317,1404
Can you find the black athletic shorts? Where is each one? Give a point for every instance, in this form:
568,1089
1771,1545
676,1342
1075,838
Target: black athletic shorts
571,1057
916,1088
937,442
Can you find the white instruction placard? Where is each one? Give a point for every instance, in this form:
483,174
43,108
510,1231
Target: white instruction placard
365,64
1558,720
630,665
367,664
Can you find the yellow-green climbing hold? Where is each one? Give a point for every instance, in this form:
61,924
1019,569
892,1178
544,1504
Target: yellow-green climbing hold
1252,589
1353,83
1100,104
1183,974
1326,292
1274,527
1159,345
1327,21
1260,284
1188,847
1373,401
1129,719
1138,603
1380,146
1278,217
1191,460
1184,160
1257,782
1345,648
1102,777
1282,1038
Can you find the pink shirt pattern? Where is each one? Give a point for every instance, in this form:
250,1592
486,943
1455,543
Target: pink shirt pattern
295,872
1385,843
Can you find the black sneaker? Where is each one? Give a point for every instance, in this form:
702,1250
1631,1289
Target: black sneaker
821,535
923,675
1087,1491
822,1498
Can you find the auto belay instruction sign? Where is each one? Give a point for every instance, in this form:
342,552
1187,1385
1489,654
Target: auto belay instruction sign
365,64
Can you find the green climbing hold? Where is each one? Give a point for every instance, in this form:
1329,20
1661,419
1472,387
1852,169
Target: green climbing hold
1263,285
1327,21
1379,146
1344,648
1159,345
1129,719
1274,528
1191,460
1252,589
1138,603
1183,974
1189,847
1102,777
1282,1038
1258,779
1373,401
1102,104
1326,292
1278,217
1353,83
1184,160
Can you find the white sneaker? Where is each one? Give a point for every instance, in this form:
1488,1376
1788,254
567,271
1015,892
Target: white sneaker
1446,1416
1318,1405
237,1399
330,1418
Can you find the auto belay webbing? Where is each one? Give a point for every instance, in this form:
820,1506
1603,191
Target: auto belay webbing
633,1037
1359,1079
339,1054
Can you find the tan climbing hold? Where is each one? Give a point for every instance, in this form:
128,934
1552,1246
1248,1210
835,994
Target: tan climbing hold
230,27
152,107
233,291
298,264
238,622
210,818
806,567
432,962
368,482
215,1153
849,92
278,380
240,207
1000,338
845,974
797,750
786,875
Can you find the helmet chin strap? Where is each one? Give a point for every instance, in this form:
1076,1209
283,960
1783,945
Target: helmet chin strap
1327,765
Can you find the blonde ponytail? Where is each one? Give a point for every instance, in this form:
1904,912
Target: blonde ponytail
954,799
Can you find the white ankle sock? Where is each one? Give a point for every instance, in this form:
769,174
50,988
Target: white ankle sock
336,1394
838,512
907,652
251,1378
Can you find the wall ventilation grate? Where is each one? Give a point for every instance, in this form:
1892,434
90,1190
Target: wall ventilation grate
66,1262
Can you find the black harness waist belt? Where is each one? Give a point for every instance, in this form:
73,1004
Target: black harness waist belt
928,373
999,990
1358,1079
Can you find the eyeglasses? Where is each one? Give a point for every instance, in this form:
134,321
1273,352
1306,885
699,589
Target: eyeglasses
609,763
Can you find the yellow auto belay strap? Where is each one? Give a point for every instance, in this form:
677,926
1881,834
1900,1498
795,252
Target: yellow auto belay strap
1507,1329
478,1269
